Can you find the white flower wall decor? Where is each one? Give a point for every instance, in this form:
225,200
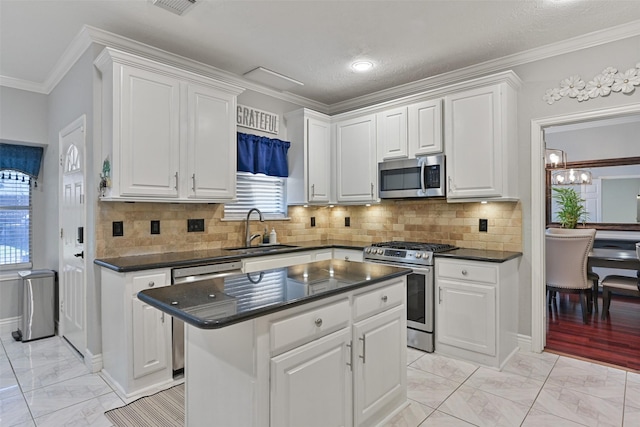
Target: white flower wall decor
610,80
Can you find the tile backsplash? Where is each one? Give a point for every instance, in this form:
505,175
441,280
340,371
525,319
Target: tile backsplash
410,220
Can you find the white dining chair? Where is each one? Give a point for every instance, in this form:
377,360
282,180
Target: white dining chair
591,275
566,268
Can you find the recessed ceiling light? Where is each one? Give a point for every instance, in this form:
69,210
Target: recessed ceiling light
362,66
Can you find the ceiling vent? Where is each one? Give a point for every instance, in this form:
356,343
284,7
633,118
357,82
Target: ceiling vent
178,7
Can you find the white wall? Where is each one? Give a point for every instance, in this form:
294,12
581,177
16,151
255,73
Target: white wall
538,77
23,119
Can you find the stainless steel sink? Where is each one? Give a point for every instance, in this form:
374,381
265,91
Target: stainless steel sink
259,249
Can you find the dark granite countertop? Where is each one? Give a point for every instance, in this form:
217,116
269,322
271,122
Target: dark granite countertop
210,256
228,300
479,255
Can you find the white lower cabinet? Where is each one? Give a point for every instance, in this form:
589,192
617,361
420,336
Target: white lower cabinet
136,338
476,310
311,385
339,361
348,254
150,340
378,368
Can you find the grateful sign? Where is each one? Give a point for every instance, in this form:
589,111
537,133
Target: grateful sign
252,118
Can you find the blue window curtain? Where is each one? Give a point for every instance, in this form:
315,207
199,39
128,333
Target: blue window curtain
23,158
259,154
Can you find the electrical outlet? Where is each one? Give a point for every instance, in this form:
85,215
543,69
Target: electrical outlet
155,227
484,225
195,225
117,228
347,221
313,221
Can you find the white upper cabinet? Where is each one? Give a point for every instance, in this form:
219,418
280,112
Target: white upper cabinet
425,128
170,135
481,142
355,159
211,144
392,134
309,157
410,131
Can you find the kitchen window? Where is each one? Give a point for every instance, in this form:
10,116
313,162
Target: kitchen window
15,220
267,193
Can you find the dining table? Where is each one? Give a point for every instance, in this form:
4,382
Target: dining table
614,258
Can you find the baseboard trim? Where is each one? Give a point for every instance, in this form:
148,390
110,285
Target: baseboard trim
9,325
93,362
524,342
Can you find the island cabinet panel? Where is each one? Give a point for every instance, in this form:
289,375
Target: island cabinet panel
380,376
151,338
283,369
476,310
311,385
168,134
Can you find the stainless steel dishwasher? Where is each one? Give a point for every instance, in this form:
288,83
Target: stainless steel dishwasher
185,276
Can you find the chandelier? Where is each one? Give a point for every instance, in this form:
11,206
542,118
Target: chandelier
560,175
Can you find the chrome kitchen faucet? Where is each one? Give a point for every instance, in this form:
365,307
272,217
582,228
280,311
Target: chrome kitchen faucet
249,238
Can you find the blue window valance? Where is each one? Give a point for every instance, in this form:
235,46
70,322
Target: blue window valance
259,154
23,158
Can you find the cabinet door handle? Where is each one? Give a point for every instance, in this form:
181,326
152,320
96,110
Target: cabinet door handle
152,284
318,322
313,190
439,295
372,190
162,318
364,348
384,298
193,180
464,272
450,184
350,362
176,177
346,258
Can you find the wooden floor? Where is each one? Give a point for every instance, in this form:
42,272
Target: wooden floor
615,340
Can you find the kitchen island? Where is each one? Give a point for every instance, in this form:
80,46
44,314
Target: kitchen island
317,344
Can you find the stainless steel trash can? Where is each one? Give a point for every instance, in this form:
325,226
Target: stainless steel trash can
38,304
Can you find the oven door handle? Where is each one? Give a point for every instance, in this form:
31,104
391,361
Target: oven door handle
201,277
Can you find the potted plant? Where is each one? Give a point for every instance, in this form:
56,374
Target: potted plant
572,208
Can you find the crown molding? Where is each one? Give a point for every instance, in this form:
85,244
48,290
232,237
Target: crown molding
89,35
574,44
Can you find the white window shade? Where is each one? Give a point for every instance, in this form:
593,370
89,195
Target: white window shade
15,220
266,193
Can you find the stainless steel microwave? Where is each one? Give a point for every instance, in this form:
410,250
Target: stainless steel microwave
419,177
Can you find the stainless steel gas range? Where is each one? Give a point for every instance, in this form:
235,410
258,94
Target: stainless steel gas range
420,284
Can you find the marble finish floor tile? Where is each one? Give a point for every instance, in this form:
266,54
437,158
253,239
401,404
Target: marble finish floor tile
33,354
483,409
413,355
590,378
61,395
631,417
579,407
440,419
8,381
537,418
89,413
454,370
50,373
504,384
632,395
531,365
427,388
14,411
411,416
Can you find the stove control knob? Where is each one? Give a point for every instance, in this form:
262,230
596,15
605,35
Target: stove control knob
418,255
367,250
380,251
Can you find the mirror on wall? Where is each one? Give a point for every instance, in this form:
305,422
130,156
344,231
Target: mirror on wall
610,150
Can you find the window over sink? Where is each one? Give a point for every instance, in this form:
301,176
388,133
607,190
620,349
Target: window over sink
267,193
15,220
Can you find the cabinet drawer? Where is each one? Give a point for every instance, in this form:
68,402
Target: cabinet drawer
467,271
277,261
365,305
348,254
148,281
305,327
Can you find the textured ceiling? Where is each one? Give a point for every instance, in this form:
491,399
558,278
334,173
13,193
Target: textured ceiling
310,41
